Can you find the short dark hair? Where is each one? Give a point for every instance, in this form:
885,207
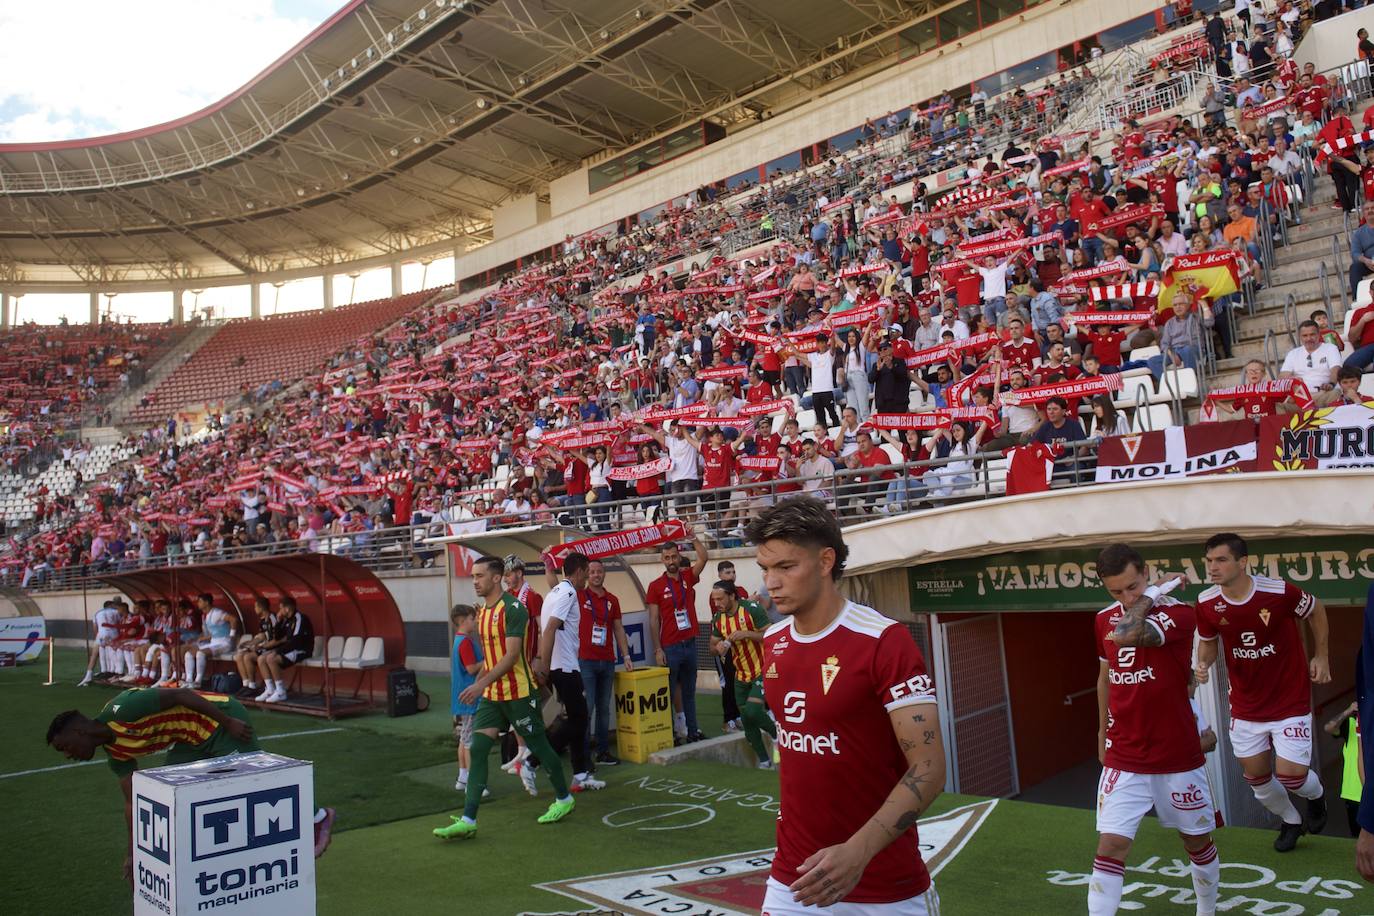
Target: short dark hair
206,597
1063,404
462,610
801,520
1315,313
574,563
1115,559
1231,541
1309,324
724,565
287,601
60,722
492,564
1345,372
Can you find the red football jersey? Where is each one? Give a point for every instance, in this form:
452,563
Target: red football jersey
1265,659
1022,355
677,606
719,464
534,603
1150,725
596,639
832,693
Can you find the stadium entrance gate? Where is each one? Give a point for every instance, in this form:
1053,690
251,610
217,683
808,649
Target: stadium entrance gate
1011,643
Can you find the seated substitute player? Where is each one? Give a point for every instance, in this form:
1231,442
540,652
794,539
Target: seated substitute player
188,725
737,629
855,709
1271,697
294,643
1147,733
509,698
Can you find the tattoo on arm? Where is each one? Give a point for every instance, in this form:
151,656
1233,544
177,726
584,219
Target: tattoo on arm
1136,631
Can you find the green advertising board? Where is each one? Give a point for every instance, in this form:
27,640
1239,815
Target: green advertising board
1338,570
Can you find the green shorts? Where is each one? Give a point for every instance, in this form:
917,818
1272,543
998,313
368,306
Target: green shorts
521,715
747,690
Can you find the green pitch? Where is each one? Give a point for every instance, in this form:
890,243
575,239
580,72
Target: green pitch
695,832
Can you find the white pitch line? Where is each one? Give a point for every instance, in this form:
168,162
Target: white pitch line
86,763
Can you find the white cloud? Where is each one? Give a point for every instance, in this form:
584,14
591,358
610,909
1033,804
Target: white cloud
86,67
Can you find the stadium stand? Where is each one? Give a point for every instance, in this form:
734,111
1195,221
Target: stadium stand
244,355
1158,187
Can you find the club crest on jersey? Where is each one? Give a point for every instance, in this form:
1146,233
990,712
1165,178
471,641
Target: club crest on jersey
829,671
772,671
1264,616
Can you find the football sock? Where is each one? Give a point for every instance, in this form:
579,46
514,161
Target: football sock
1206,874
680,723
165,661
462,774
188,665
477,775
1274,797
1104,888
320,815
200,666
538,743
130,665
756,722
1309,787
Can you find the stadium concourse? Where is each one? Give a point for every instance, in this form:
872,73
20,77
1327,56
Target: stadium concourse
978,296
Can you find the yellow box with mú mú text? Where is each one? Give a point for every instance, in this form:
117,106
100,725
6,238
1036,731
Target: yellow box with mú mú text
643,713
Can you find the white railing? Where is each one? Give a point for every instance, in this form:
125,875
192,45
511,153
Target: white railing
1149,100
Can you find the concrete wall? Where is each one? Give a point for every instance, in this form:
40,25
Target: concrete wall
1005,44
517,214
1331,44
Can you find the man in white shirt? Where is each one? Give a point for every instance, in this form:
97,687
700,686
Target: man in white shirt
557,664
994,290
1284,161
684,475
1313,360
952,324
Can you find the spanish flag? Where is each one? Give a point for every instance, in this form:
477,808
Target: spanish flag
1211,274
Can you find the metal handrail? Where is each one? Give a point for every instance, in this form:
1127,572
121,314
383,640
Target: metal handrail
1336,252
1270,349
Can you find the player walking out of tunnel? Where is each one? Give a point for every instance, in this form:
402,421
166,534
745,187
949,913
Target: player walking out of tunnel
509,698
1271,679
1147,735
856,710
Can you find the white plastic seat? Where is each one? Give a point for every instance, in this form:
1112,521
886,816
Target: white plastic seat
336,648
1151,417
371,656
1145,352
352,651
1178,381
1367,384
997,474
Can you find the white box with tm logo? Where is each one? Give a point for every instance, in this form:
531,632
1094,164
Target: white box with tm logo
229,835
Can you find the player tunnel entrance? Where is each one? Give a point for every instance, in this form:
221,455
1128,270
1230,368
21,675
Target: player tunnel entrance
1010,640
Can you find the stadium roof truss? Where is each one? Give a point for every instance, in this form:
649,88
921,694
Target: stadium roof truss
399,126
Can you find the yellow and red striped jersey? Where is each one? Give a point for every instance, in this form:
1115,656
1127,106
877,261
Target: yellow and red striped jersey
497,622
747,653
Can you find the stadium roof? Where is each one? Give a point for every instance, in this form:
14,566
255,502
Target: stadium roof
402,124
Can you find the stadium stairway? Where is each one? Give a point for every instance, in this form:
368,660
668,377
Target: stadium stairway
1297,271
121,407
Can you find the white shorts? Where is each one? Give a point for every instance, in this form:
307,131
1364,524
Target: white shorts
778,902
1290,738
218,647
1182,801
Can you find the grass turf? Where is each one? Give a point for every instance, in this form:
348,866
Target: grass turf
392,782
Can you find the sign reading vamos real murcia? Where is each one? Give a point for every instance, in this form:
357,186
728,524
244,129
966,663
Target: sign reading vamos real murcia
1339,570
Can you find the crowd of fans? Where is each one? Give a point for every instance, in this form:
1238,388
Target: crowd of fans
602,390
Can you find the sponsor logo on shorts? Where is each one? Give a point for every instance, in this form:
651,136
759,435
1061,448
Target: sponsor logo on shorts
1190,799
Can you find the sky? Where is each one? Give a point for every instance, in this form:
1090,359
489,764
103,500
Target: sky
135,63
83,68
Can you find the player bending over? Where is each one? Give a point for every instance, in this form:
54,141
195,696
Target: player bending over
508,698
856,714
1147,733
188,725
1271,697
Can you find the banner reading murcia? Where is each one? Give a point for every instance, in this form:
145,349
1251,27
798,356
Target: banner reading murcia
1330,437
